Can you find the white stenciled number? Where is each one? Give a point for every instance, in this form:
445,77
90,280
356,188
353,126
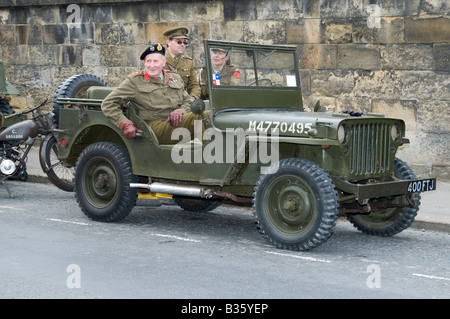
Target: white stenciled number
283,127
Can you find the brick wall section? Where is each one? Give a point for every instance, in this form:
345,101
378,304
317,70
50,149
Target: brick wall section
379,56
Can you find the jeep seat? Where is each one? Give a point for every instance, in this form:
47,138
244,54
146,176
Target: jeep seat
99,92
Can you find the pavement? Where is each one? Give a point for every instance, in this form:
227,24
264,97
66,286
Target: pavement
433,215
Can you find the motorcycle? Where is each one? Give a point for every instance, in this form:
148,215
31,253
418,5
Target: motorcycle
17,137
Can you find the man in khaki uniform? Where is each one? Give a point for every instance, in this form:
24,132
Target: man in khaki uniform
158,95
177,41
225,73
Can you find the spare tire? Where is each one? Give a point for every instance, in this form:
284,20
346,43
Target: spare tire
76,86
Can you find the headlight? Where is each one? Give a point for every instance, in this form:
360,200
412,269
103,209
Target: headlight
342,134
395,132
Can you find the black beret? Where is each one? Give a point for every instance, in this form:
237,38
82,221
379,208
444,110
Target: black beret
153,48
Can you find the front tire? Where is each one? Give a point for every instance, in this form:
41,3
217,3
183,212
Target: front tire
390,221
102,182
296,207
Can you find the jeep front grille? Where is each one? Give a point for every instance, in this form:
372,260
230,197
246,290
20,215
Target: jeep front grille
369,148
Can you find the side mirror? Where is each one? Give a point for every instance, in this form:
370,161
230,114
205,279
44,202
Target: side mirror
198,106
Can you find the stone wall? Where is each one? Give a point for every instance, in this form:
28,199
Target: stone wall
388,56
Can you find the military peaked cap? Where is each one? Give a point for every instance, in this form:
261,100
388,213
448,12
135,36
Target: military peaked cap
153,48
178,32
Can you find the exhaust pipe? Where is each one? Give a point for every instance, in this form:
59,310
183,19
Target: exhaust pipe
190,191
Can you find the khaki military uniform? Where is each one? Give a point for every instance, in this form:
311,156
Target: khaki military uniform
229,75
154,99
185,67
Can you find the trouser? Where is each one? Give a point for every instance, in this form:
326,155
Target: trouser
164,131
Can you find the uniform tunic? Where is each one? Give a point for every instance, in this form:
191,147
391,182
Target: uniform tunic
154,99
229,75
185,67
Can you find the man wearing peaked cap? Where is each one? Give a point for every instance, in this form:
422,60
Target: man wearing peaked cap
159,97
177,61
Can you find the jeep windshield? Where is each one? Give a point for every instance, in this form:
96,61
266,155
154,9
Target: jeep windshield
247,76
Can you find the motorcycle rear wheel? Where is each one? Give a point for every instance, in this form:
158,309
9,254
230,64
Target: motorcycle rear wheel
61,176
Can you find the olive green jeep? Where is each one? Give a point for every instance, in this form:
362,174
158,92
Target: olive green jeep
298,170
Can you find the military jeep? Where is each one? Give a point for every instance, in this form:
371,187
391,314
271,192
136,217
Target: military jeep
298,170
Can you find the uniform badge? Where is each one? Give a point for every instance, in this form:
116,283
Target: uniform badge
159,47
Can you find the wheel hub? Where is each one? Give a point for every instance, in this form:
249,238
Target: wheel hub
104,182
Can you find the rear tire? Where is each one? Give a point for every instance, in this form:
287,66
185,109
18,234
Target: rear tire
196,205
102,182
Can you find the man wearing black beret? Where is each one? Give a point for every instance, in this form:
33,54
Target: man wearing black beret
158,95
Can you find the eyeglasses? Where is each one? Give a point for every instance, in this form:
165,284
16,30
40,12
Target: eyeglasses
180,42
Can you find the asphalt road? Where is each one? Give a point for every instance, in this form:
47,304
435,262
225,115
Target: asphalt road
49,249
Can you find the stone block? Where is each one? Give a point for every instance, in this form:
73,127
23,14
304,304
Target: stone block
441,57
136,13
425,85
356,56
399,109
20,15
427,30
305,82
171,12
389,30
427,121
132,33
435,7
378,84
91,56
425,148
29,34
106,34
71,55
208,11
7,36
338,33
304,31
82,34
237,10
271,32
55,34
406,57
280,9
317,56
227,30
46,15
353,103
331,83
96,14
111,55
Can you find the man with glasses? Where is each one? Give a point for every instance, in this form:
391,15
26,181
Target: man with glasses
177,61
